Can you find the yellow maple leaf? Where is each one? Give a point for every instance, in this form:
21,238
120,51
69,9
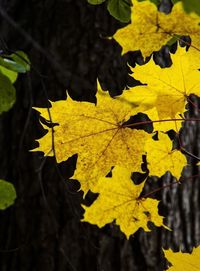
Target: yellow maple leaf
150,29
119,200
144,101
161,158
195,50
97,134
172,85
183,261
166,124
139,98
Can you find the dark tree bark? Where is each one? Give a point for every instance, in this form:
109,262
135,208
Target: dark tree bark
66,43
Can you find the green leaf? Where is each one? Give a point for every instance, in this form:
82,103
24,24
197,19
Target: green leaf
17,62
7,194
190,5
173,40
7,93
156,2
120,10
95,2
10,74
22,59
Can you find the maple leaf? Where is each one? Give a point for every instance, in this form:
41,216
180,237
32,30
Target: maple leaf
119,200
183,261
166,124
97,134
195,53
171,85
150,29
161,158
144,101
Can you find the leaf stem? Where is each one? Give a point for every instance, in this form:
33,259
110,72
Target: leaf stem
167,185
155,121
190,154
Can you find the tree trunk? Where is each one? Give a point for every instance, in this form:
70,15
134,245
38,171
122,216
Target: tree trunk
66,43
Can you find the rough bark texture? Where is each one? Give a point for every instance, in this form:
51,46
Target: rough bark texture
42,231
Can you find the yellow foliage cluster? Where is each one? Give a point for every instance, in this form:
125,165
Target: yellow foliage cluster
101,137
150,29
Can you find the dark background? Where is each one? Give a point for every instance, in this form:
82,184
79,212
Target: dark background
42,230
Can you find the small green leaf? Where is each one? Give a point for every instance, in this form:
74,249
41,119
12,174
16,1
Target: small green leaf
10,74
173,40
22,59
7,194
95,2
156,2
192,6
120,9
17,62
7,93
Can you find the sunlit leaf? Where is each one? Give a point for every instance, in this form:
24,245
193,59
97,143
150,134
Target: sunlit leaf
172,85
119,200
161,158
150,29
183,261
97,134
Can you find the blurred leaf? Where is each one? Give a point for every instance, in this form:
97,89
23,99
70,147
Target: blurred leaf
173,40
7,194
95,2
120,10
10,74
22,59
156,2
17,62
7,93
